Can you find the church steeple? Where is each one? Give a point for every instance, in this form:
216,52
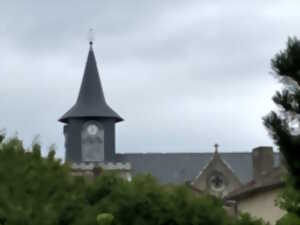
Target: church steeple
90,124
91,101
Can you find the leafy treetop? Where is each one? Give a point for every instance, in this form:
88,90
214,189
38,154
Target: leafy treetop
40,191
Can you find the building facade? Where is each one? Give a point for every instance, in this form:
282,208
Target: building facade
90,138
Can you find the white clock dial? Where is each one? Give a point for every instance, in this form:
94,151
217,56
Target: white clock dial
92,129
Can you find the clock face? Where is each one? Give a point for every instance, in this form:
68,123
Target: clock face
92,129
92,142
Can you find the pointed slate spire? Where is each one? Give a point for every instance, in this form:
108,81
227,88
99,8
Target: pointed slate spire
91,101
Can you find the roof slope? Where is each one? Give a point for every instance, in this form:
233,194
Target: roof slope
182,167
271,180
91,101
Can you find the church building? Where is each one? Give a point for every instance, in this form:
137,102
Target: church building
90,137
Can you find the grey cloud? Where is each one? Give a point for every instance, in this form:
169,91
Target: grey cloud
183,74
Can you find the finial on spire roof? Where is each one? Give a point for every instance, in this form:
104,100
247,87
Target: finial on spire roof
216,147
91,36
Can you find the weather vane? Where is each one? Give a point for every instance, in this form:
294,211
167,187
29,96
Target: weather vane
91,36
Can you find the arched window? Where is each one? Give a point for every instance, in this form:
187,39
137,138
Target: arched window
92,142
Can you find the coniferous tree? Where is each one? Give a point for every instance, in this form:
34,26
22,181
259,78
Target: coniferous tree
2,135
283,125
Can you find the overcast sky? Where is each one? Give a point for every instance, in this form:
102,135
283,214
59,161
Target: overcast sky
183,74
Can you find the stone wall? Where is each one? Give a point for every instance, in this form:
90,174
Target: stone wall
95,169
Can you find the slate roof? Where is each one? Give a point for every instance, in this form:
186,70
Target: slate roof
91,101
182,167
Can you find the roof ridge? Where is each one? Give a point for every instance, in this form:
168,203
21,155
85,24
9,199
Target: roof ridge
162,153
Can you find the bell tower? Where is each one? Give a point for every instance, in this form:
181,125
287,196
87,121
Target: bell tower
90,124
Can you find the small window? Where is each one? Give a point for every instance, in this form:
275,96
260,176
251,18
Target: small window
217,182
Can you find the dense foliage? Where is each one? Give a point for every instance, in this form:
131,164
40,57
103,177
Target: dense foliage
284,126
246,219
289,200
40,191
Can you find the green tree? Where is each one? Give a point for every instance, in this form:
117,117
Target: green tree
289,200
289,219
284,124
105,219
284,128
41,191
35,190
2,135
246,219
